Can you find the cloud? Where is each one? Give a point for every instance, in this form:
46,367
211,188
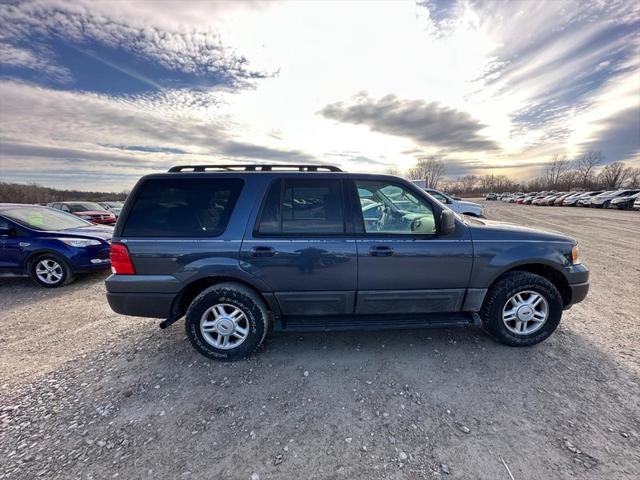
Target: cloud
428,124
12,56
196,50
618,136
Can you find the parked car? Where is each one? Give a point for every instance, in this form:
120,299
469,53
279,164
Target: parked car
604,199
559,201
491,196
573,201
458,206
90,211
240,250
49,245
625,202
113,207
584,200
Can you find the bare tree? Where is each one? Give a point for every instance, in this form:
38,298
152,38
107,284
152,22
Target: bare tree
585,167
393,170
555,169
430,170
634,178
614,175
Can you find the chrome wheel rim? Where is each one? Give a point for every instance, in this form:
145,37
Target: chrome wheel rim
49,271
224,326
525,312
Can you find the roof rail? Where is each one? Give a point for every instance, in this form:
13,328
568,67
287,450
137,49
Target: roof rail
255,168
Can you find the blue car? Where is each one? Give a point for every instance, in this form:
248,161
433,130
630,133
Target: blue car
49,245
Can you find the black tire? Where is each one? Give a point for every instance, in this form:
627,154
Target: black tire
65,276
238,296
502,290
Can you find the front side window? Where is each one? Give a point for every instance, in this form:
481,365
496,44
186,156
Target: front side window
194,207
390,208
304,206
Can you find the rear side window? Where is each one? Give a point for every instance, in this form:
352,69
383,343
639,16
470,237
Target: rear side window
307,207
193,207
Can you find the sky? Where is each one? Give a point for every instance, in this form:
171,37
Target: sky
94,94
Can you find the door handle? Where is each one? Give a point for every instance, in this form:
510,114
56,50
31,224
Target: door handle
381,251
263,252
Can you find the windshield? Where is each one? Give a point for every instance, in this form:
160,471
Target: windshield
42,218
84,207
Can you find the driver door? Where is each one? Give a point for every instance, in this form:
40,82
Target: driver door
404,265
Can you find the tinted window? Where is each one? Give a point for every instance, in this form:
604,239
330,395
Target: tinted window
303,206
195,207
390,208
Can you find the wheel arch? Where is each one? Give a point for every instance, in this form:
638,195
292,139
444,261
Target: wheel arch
546,271
190,291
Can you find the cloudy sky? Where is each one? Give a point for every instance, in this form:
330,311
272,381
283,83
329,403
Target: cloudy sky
95,94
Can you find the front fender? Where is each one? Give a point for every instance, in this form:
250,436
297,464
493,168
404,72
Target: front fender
492,259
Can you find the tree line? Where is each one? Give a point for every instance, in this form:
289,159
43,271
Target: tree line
561,174
33,193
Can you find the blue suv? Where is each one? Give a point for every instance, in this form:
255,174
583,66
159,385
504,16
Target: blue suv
239,250
49,245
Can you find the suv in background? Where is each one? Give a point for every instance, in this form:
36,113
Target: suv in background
49,245
239,250
90,211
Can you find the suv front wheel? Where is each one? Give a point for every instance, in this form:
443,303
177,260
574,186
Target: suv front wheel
521,309
227,322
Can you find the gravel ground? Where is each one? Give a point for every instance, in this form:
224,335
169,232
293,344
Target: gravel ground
85,393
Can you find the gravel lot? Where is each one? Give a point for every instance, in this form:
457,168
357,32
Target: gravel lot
85,393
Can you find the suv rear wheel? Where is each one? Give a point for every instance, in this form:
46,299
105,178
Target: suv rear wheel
227,322
521,309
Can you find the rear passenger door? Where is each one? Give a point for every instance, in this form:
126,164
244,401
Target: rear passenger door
301,245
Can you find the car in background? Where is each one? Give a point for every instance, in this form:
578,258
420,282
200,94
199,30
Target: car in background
636,204
625,202
491,196
458,206
573,201
604,199
583,201
49,245
114,207
90,211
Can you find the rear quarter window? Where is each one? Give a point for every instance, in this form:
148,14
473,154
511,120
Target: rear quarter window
190,207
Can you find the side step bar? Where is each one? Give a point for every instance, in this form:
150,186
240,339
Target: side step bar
376,322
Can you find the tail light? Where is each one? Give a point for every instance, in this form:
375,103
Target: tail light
121,260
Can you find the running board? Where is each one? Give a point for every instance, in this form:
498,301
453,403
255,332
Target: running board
375,322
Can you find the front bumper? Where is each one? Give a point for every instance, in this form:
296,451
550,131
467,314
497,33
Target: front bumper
578,278
578,293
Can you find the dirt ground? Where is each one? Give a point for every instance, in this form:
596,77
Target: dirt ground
86,393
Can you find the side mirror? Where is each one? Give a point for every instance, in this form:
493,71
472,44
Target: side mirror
7,232
447,222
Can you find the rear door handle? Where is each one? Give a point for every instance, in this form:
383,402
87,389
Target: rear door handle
381,251
263,252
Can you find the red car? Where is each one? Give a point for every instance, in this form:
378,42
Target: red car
89,211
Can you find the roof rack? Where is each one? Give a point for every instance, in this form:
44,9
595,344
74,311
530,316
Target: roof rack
255,168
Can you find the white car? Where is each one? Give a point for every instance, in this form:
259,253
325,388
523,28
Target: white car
458,206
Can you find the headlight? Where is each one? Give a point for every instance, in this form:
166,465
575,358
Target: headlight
575,258
79,242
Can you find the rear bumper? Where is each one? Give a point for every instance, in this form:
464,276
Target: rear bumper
153,305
